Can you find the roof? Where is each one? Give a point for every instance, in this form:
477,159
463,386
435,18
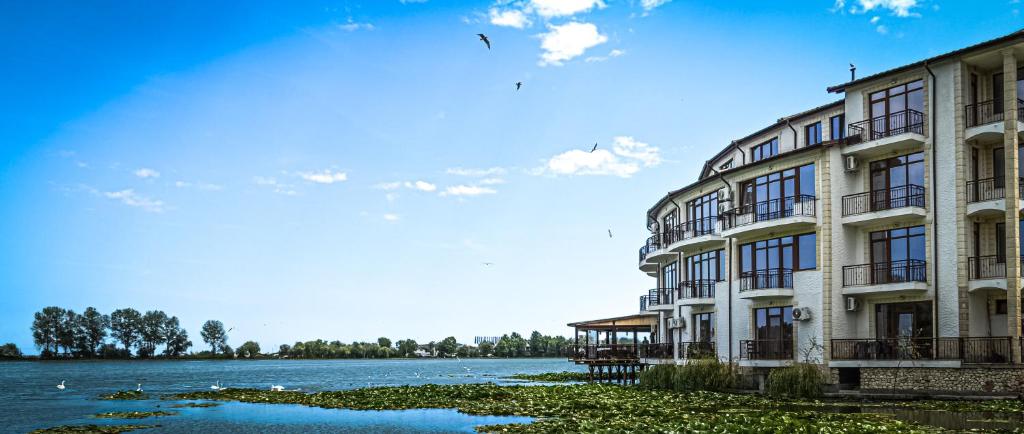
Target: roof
641,320
987,44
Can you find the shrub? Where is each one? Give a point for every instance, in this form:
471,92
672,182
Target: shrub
702,374
802,380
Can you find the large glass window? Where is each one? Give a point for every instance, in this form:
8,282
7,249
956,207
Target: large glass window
706,266
813,134
997,90
903,320
774,323
835,127
897,182
670,275
898,255
779,185
704,327
765,150
889,107
779,253
702,213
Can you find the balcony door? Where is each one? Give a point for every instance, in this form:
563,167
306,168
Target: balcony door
903,320
704,327
774,332
897,182
702,214
889,108
898,255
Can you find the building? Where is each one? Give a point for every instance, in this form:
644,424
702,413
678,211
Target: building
877,232
481,339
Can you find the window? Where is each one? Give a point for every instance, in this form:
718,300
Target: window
726,165
670,275
779,253
997,90
813,134
704,327
1000,307
669,223
765,150
835,127
904,320
892,102
898,255
774,323
778,187
1000,243
897,182
702,213
706,266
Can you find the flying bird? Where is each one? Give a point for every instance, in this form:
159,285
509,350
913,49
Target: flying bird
594,148
488,264
609,233
519,84
483,37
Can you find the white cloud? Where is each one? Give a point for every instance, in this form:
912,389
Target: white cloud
198,185
391,217
491,181
389,185
147,173
567,41
421,186
467,190
324,177
875,19
882,29
352,26
651,4
561,8
130,198
614,53
279,188
899,8
509,18
491,171
626,157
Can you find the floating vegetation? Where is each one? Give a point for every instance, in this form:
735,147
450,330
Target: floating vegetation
133,414
92,429
196,405
552,377
125,395
591,408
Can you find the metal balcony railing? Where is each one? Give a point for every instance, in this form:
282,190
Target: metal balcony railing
987,112
986,267
878,273
901,122
967,349
766,279
700,288
766,349
656,351
650,246
774,209
879,200
697,350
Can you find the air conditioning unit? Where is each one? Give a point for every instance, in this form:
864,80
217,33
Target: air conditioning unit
852,304
725,195
850,163
724,208
676,323
802,313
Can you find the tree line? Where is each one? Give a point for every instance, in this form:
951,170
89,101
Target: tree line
59,332
509,345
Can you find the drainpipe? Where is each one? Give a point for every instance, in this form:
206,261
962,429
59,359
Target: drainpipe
935,218
788,124
729,242
741,151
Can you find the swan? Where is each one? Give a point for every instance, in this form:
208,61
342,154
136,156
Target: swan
216,386
139,388
277,388
61,385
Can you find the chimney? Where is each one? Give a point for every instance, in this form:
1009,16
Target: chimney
853,72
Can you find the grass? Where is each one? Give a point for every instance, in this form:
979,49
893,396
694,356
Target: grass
92,429
134,414
590,408
802,380
552,377
701,374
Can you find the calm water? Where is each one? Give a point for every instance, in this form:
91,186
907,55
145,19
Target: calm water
30,399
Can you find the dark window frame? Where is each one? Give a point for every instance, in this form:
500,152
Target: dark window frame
698,318
779,245
785,328
757,151
812,131
712,260
748,188
837,130
888,95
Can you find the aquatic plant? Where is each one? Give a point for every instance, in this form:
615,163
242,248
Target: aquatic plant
196,405
588,408
92,429
133,414
125,395
699,374
802,380
552,377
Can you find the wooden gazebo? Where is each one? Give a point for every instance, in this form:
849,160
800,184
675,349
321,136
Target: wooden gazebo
622,360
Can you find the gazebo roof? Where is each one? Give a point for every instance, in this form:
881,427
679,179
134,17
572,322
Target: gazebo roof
638,322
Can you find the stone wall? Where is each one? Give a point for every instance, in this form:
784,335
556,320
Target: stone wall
957,380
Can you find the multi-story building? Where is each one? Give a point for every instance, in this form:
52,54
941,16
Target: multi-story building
875,232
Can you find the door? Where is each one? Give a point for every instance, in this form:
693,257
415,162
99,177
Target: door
998,172
997,94
973,112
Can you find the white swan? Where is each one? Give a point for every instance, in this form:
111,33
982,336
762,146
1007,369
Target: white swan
61,385
139,389
277,388
216,386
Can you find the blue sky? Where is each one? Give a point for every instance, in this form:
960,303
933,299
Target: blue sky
343,169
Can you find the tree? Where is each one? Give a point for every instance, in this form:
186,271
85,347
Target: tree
384,342
462,351
66,327
284,350
537,344
44,329
10,351
152,332
177,338
518,345
447,347
407,348
94,327
504,347
227,352
486,348
214,335
126,326
248,350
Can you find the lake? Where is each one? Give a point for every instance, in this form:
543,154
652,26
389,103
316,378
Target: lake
31,400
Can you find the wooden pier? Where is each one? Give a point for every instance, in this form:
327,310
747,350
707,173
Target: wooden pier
608,358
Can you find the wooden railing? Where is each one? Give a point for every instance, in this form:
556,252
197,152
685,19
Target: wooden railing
605,352
879,200
907,270
901,122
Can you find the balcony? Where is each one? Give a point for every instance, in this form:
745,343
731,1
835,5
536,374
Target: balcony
966,350
985,120
766,349
902,203
696,234
768,283
655,351
652,245
696,292
697,350
893,277
986,272
606,352
899,131
987,197
773,215
657,299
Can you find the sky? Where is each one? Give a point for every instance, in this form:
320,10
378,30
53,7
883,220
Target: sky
348,169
